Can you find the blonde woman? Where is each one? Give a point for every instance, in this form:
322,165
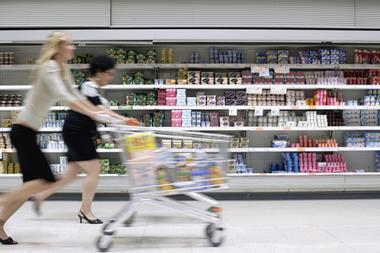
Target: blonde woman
52,82
78,133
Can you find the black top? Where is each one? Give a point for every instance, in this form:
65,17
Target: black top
80,121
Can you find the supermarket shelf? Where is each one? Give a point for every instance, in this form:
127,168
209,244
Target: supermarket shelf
258,182
118,87
280,150
238,87
229,129
58,151
243,107
220,108
232,150
207,66
19,108
286,174
270,129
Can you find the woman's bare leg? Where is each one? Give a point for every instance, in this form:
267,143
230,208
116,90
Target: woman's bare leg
92,168
69,176
14,200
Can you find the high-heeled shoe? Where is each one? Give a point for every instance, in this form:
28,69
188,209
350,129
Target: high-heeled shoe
81,217
8,241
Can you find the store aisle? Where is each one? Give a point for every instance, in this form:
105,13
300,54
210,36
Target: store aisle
344,226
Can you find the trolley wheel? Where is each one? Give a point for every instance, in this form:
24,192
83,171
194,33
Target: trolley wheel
215,234
106,226
104,243
131,220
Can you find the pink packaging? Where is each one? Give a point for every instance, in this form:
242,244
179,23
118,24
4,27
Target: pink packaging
171,101
176,122
176,114
171,92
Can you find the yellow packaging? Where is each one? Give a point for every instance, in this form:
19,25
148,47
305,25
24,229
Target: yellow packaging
138,144
170,56
17,168
163,56
167,143
216,175
188,144
170,81
177,144
182,81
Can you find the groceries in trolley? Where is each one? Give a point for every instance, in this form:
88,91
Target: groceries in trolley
160,169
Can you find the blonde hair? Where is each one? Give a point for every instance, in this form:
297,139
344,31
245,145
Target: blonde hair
49,50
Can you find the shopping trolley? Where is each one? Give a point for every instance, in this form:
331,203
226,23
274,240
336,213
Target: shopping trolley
198,164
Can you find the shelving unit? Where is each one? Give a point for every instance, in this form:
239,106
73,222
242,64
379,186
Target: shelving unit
15,77
210,66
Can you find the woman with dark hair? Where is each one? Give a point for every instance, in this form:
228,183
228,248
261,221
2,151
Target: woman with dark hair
79,132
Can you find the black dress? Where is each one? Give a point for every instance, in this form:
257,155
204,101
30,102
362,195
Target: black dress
79,130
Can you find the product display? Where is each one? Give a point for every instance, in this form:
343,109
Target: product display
123,56
288,119
55,120
362,139
61,167
155,119
240,142
53,141
8,167
319,56
7,58
7,100
266,109
237,165
80,77
136,78
81,59
366,56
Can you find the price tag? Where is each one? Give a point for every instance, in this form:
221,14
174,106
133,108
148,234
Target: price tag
259,129
282,69
275,111
254,90
300,149
259,111
232,112
255,69
312,107
278,89
262,70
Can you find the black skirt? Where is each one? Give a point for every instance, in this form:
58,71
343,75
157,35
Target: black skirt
79,141
33,163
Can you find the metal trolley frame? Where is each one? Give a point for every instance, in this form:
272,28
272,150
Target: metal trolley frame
215,144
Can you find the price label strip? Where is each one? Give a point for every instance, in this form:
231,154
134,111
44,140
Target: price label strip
275,111
259,111
279,90
282,69
262,70
232,112
254,90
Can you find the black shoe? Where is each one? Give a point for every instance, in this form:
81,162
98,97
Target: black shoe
81,216
8,241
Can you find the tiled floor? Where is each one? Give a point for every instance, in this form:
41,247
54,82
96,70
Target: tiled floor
319,226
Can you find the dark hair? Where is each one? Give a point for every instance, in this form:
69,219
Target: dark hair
101,63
